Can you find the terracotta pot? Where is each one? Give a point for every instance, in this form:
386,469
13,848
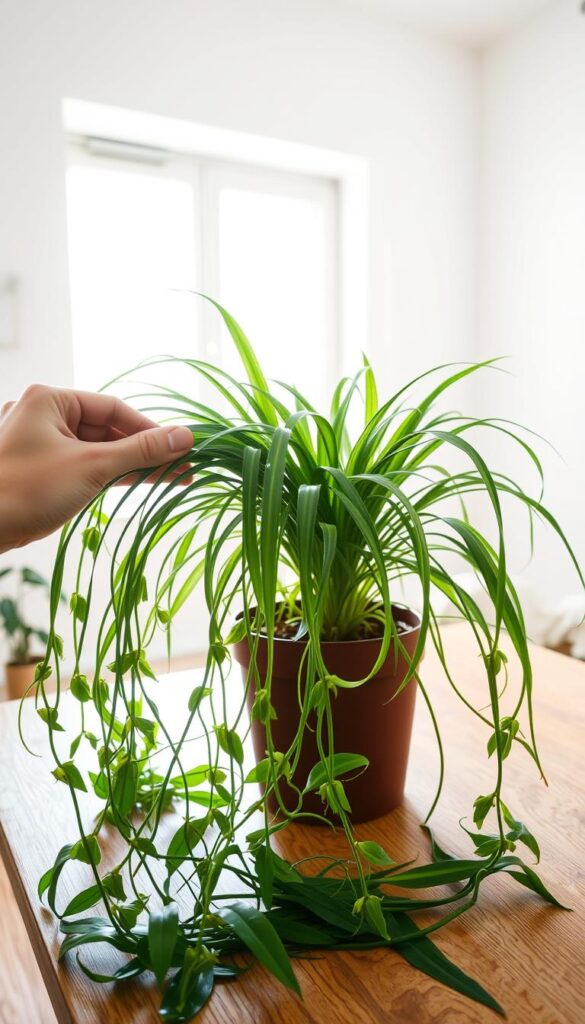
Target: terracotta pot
19,676
366,720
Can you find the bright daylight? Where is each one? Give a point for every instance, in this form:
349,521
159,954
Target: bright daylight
292,558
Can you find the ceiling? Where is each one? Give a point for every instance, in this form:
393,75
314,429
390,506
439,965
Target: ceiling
473,22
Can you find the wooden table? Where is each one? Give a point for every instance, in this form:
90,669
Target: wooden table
530,956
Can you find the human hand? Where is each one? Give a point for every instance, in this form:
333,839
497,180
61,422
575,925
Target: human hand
59,448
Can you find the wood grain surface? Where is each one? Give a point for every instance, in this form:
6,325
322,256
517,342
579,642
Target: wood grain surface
530,956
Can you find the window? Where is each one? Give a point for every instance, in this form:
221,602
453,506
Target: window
146,229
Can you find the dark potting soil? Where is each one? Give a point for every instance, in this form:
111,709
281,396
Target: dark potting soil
284,630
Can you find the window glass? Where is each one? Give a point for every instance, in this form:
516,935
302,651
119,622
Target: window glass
274,271
131,245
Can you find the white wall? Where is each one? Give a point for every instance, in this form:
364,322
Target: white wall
308,71
532,266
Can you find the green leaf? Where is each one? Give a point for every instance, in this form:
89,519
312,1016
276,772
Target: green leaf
371,403
69,773
115,938
441,873
42,671
485,845
91,538
375,853
481,808
298,931
100,693
87,850
256,932
186,589
261,771
78,606
125,786
130,912
424,955
509,727
437,852
204,797
83,901
50,717
187,993
48,881
184,841
132,661
272,502
113,883
230,742
529,878
99,782
519,833
499,659
85,925
339,764
79,687
75,745
333,793
148,729
262,709
163,931
226,970
250,362
144,667
197,696
132,969
265,872
371,908
238,631
146,846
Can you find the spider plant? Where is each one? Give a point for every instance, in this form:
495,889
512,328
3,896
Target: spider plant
284,514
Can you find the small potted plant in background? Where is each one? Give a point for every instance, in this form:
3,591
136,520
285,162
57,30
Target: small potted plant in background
300,530
19,670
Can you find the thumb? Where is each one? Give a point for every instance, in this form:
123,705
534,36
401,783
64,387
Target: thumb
145,449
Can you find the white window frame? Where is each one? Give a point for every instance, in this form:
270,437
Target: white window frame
169,139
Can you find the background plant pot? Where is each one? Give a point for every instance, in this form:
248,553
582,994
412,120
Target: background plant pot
366,720
18,677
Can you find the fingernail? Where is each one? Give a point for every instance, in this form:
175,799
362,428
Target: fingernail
180,438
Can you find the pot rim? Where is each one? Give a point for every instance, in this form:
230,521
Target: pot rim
34,660
333,643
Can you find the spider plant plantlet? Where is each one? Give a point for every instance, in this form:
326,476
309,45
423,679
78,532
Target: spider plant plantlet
300,533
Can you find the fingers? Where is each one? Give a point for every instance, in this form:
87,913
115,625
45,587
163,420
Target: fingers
87,432
81,411
181,475
109,411
152,447
6,408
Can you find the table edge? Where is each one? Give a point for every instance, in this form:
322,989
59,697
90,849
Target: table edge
43,957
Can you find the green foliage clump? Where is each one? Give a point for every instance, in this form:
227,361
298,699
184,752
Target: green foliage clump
284,514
